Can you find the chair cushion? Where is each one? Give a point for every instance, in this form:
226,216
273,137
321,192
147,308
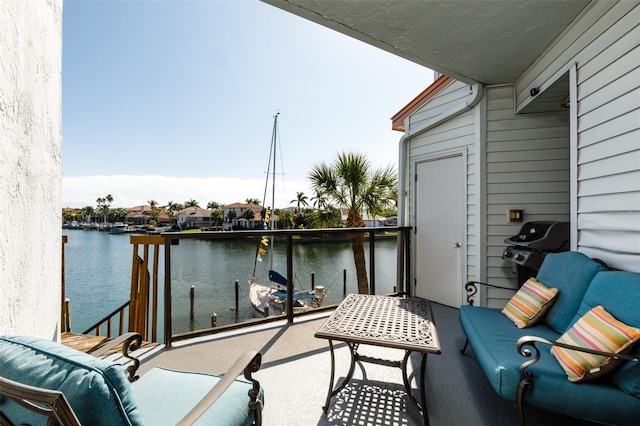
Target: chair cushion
185,390
597,330
571,273
97,390
530,303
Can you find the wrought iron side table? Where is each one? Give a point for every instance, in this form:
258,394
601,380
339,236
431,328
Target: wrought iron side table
392,322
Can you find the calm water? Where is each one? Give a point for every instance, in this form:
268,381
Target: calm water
98,275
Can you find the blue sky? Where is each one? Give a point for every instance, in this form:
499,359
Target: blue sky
187,90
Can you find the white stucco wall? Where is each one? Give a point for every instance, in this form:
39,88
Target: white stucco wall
30,166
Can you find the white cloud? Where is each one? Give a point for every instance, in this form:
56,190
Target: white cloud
129,190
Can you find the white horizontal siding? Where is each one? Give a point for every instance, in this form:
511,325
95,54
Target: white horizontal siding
604,45
448,99
611,147
609,150
620,202
452,135
527,167
580,44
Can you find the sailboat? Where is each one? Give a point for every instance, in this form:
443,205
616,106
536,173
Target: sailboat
271,298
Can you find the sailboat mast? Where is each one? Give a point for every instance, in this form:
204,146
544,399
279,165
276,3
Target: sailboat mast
274,139
272,154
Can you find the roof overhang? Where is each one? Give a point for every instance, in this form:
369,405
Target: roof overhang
397,121
490,42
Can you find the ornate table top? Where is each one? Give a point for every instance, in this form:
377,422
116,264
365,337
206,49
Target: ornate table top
392,322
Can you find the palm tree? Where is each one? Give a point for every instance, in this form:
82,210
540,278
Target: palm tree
171,208
350,183
252,201
249,214
155,210
190,203
87,213
212,205
329,217
103,205
319,201
117,215
217,216
300,200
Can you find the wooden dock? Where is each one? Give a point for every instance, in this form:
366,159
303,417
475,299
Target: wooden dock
88,343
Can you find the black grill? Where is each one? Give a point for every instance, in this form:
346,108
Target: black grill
535,239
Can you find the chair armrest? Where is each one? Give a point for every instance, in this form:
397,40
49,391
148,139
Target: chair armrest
50,403
471,289
527,376
130,342
531,341
523,344
249,362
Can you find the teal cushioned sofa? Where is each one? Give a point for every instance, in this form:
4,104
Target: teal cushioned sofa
99,393
501,348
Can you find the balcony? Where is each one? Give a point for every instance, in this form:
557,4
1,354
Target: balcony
296,366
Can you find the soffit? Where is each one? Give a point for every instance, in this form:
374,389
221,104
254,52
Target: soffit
491,42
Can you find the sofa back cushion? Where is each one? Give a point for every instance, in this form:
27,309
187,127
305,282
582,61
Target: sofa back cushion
97,390
571,273
619,293
598,330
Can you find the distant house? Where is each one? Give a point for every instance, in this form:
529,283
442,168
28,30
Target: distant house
238,220
140,215
136,215
194,217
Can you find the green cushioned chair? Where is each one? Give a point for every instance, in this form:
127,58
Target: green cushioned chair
42,381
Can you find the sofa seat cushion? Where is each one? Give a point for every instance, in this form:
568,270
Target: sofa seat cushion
493,337
627,375
97,390
185,390
571,273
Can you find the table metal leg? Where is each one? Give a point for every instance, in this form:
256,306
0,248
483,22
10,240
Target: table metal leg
422,405
421,386
353,348
353,351
331,377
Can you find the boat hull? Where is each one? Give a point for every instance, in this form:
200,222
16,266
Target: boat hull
271,299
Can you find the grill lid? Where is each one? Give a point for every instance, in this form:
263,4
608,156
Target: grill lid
543,235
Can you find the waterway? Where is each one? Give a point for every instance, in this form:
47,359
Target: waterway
98,275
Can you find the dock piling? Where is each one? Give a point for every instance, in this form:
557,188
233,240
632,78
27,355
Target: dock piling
344,282
192,296
237,297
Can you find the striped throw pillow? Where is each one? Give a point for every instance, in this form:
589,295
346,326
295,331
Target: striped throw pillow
530,303
598,330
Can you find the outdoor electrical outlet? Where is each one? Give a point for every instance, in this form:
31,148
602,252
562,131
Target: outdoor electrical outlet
515,215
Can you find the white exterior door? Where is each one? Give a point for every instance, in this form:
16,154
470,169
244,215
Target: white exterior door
439,211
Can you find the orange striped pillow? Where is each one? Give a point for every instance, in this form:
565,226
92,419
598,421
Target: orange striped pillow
598,330
530,303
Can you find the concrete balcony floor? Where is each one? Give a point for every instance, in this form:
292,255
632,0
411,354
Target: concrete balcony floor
295,377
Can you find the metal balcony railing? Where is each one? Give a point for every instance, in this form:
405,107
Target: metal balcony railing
172,239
